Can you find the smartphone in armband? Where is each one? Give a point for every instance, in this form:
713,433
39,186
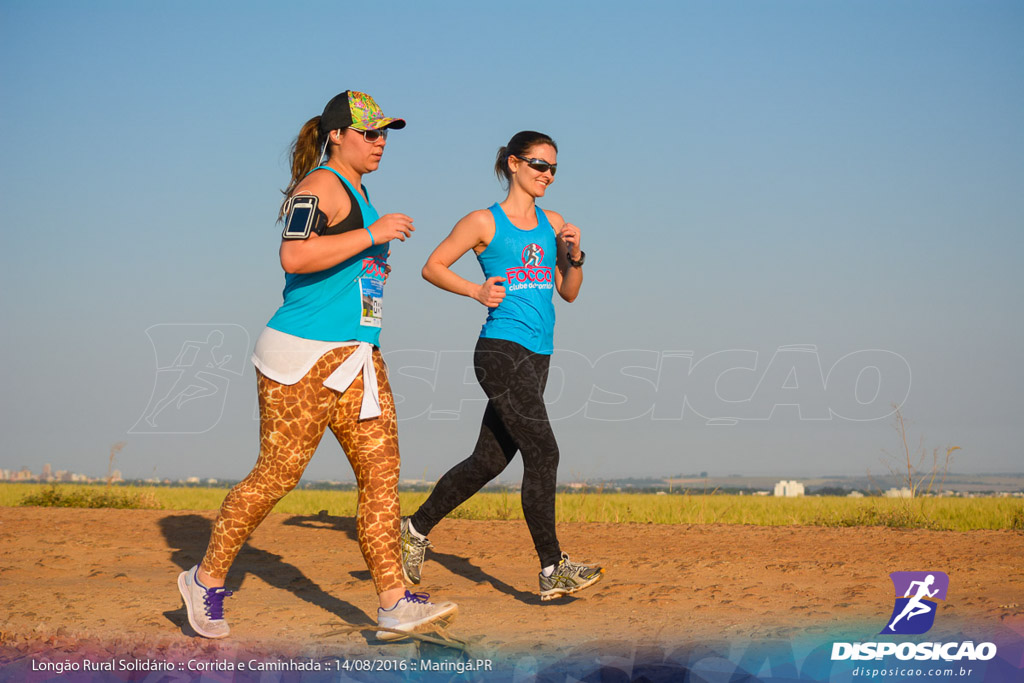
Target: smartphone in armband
300,217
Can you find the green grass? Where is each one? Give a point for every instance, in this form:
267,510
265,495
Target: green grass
90,497
957,514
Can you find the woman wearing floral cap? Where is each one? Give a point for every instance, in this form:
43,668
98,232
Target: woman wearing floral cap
319,365
526,253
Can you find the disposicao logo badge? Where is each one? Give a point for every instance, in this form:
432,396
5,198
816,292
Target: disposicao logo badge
917,594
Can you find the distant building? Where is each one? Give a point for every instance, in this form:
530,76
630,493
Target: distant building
855,494
789,489
899,493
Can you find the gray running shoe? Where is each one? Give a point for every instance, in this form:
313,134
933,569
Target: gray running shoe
205,606
414,549
411,613
567,578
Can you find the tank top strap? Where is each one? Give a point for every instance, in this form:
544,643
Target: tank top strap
542,219
500,219
362,200
346,184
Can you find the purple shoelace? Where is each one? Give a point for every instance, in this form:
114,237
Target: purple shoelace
421,598
214,601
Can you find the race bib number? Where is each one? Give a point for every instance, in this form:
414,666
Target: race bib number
371,294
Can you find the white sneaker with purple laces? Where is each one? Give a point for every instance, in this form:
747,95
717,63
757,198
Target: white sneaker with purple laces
205,606
412,612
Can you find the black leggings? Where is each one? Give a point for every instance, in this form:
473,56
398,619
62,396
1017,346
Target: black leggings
515,419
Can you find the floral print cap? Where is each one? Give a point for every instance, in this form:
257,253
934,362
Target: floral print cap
354,109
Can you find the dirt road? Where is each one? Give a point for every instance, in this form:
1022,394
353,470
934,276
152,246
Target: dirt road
76,581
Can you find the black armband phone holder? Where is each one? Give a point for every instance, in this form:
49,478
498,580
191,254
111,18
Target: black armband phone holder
303,216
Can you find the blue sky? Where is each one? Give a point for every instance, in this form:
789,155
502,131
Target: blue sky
820,203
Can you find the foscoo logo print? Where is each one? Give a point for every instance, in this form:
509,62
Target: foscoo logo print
916,595
531,275
194,366
376,266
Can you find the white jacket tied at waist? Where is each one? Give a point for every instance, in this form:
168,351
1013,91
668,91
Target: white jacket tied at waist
286,359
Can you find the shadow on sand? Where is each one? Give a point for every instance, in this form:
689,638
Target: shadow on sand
453,563
188,536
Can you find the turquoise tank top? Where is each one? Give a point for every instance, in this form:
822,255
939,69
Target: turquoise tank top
342,303
526,259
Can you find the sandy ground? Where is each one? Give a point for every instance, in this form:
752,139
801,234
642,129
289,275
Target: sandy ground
75,580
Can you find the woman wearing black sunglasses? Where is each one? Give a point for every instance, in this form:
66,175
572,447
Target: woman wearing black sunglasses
319,366
526,253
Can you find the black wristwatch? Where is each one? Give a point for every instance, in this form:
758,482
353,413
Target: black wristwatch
579,262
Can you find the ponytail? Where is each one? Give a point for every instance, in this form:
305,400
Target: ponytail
501,165
306,151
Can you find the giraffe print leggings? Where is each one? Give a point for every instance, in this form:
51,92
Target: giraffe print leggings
293,418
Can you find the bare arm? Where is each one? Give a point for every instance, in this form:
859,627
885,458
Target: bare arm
318,252
568,279
474,231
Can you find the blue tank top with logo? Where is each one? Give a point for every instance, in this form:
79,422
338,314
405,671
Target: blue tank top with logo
342,303
526,259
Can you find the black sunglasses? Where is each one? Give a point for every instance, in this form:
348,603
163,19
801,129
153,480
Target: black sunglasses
538,165
373,135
